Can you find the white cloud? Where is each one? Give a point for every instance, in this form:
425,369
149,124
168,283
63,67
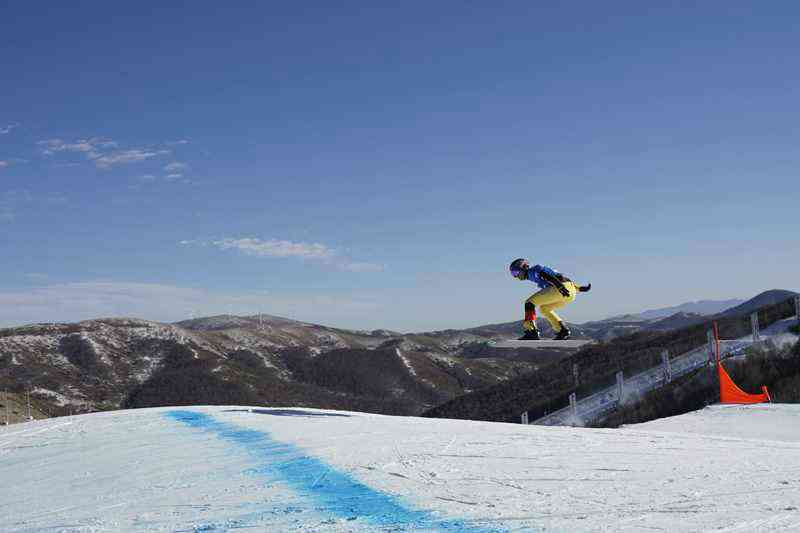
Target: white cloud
276,248
122,157
283,248
177,143
174,176
176,167
4,164
99,150
7,129
147,177
92,147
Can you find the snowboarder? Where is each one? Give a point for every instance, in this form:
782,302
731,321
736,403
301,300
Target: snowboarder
556,291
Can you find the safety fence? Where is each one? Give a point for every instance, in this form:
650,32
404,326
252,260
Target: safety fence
590,408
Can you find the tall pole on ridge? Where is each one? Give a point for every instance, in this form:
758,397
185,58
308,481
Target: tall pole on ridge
754,327
797,307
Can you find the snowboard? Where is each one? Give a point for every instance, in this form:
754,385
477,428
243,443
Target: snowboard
544,343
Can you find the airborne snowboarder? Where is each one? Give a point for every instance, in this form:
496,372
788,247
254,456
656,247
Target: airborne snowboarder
556,291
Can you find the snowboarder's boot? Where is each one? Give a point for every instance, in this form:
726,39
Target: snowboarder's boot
563,334
530,335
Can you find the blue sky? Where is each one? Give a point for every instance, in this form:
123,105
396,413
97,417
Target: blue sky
378,165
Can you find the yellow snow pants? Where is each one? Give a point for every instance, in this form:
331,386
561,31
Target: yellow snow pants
548,300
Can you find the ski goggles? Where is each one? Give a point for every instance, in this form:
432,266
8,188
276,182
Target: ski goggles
516,272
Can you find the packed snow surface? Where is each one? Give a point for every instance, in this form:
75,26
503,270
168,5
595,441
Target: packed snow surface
726,468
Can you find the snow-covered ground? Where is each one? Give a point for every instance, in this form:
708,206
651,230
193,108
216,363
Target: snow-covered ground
228,468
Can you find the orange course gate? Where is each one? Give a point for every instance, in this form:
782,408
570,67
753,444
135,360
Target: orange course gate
729,392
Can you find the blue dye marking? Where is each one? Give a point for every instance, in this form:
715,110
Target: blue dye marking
286,412
328,490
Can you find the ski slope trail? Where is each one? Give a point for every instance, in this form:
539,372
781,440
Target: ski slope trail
725,468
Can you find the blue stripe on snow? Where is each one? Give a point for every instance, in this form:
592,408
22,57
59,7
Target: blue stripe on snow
328,490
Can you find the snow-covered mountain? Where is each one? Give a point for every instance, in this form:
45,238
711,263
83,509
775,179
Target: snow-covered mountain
765,298
700,307
112,363
725,468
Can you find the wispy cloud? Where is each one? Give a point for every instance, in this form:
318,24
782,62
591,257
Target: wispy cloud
276,248
417,308
4,164
174,176
177,143
92,147
7,129
122,157
279,248
68,302
176,167
104,153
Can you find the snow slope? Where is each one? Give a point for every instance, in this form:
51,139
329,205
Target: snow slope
226,468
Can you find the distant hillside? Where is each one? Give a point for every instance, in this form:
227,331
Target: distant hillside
261,360
700,307
676,321
765,298
549,388
15,408
122,362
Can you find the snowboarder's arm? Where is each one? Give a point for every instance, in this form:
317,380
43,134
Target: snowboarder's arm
547,275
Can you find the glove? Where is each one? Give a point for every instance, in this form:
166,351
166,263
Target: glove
563,290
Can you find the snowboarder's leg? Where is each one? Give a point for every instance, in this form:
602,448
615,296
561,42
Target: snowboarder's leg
541,298
551,299
549,313
529,323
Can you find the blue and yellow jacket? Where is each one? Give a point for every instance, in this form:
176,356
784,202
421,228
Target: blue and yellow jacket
535,275
545,277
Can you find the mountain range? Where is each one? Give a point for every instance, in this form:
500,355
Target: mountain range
126,362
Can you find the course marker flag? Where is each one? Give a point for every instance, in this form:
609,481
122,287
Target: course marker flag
729,392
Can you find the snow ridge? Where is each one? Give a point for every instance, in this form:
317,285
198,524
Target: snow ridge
405,362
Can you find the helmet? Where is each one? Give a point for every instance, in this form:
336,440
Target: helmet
518,266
